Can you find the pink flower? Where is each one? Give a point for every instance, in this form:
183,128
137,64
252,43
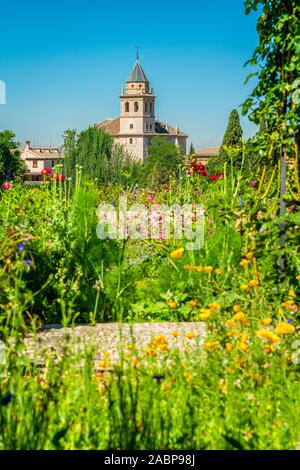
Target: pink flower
221,175
6,186
267,365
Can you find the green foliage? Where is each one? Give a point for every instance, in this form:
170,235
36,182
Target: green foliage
192,149
163,159
98,158
275,98
11,166
231,148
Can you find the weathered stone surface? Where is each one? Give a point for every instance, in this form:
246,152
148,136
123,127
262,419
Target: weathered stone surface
110,338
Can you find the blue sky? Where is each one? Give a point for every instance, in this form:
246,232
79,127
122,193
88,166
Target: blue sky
64,63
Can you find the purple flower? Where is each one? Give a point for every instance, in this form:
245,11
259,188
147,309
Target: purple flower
7,398
21,247
28,262
290,320
252,183
158,378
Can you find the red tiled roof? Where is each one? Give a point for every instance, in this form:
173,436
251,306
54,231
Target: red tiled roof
208,152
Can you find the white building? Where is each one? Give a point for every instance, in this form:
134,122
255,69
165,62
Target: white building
136,125
38,159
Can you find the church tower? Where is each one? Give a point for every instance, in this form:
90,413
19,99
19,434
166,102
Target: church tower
137,112
136,126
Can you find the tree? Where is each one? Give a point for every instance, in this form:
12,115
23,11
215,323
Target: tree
275,99
70,152
232,141
11,166
232,146
192,150
163,158
94,148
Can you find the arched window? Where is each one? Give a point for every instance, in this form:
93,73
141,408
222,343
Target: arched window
130,126
127,107
151,107
146,107
136,106
130,141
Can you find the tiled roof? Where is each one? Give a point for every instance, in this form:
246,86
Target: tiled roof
208,152
112,126
137,74
44,153
165,128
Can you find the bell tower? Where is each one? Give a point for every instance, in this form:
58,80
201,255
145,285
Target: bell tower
137,107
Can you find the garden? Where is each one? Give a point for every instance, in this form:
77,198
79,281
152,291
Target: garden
219,366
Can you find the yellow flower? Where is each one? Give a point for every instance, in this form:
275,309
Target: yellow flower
229,346
230,322
135,362
245,287
284,328
171,303
208,269
298,278
104,364
240,317
211,346
160,339
236,308
266,321
189,267
193,303
199,268
244,262
287,303
151,351
188,376
269,336
218,271
233,333
268,349
214,306
205,315
163,346
291,293
244,337
190,335
175,333
249,255
177,254
280,312
223,386
230,370
253,283
243,346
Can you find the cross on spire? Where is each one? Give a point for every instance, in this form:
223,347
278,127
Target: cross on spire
137,52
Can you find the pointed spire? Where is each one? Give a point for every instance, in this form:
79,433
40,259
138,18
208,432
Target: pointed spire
137,74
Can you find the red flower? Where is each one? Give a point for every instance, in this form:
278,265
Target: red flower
60,178
213,177
203,172
221,176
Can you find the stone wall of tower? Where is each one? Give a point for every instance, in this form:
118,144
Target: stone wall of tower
135,145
